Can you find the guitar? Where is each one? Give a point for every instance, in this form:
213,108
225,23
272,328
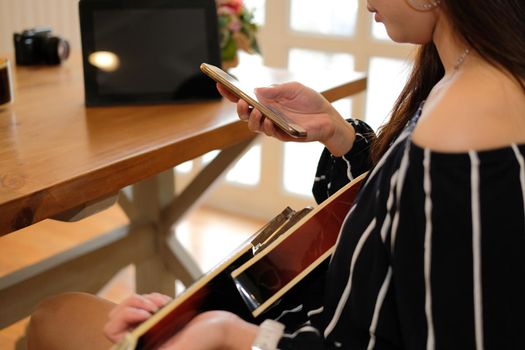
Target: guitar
269,265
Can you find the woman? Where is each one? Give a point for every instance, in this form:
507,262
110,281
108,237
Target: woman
432,256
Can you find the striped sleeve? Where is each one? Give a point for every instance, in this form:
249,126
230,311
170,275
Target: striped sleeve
335,172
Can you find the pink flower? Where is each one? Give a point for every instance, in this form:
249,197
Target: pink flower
237,29
225,11
235,25
235,5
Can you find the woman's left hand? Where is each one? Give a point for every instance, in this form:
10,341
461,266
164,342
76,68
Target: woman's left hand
131,312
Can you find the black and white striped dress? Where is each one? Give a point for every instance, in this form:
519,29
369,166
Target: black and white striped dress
431,257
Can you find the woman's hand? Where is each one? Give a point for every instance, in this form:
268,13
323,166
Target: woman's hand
214,330
207,331
303,106
131,312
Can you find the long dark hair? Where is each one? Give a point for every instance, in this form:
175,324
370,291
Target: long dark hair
495,29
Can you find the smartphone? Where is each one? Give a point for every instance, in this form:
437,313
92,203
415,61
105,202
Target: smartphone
247,94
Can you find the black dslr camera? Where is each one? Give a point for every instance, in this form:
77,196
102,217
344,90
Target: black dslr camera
37,46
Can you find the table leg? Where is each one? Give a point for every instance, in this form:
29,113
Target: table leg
154,202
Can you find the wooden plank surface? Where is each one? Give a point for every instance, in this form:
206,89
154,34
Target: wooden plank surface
55,154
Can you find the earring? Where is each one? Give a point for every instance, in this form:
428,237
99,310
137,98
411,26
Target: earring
423,5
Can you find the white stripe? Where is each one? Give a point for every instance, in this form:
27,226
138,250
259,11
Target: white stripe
319,178
315,312
379,164
476,249
304,329
348,169
380,298
341,229
389,203
296,309
428,250
403,168
348,288
519,157
359,135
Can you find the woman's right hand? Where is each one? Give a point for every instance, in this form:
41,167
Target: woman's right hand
303,106
132,311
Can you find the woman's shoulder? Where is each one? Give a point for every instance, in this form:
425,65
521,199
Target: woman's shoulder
477,110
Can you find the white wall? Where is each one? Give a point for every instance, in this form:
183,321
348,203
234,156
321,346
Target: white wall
17,15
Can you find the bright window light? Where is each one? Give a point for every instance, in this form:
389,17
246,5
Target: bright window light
300,159
247,170
328,17
379,31
259,11
386,78
300,166
185,167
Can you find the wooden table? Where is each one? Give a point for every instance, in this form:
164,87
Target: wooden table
61,160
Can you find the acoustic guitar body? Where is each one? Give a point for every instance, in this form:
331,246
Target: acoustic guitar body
262,277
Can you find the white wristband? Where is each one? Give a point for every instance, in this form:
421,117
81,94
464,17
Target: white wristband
268,336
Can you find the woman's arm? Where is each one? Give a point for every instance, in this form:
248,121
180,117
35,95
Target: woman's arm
334,172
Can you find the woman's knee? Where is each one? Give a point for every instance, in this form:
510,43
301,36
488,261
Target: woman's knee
59,307
64,316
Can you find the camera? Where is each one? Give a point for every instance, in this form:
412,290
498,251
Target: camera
37,46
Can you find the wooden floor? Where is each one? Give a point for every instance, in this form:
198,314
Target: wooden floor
208,234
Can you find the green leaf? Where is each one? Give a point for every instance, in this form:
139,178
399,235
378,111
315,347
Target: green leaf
229,50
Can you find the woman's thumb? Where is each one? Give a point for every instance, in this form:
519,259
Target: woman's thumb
269,92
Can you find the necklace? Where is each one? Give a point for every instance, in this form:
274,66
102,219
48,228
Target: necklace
461,59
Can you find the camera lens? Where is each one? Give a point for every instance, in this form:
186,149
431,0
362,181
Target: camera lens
56,50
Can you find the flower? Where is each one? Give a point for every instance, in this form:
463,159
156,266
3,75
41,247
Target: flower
237,29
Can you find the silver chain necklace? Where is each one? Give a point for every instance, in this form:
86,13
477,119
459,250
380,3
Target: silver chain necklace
461,59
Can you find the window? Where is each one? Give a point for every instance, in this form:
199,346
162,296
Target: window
328,17
258,10
247,171
386,77
323,35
